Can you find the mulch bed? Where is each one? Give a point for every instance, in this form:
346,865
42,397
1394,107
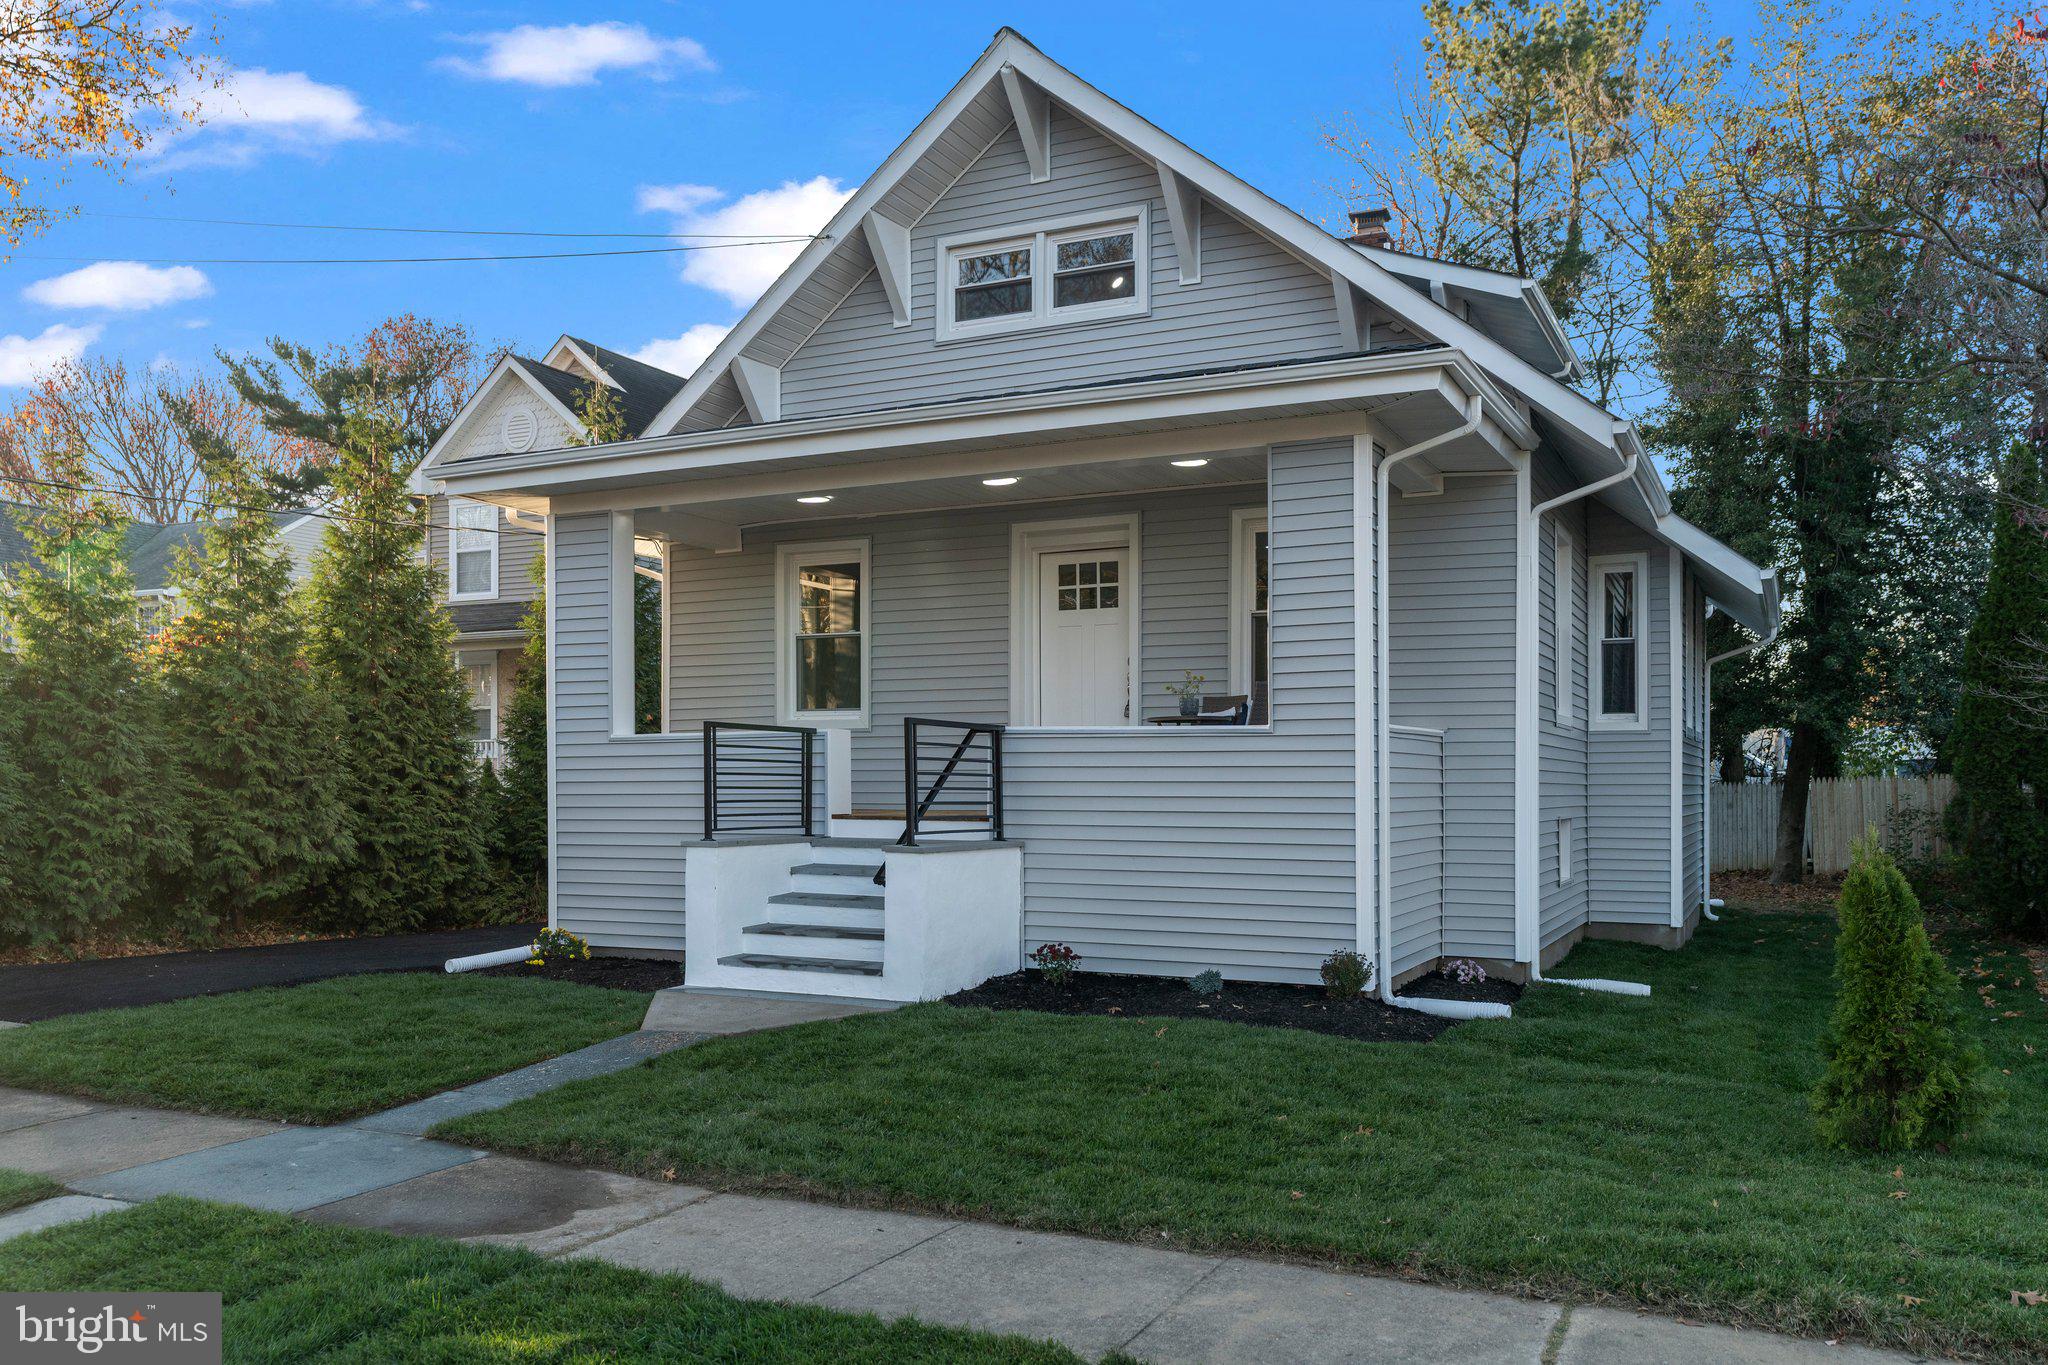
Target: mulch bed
1239,1002
613,973
1755,891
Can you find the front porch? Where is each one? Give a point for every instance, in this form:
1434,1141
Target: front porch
1053,588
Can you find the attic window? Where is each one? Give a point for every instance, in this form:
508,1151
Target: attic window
1070,271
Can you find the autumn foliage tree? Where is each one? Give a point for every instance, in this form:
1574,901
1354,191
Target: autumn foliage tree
86,82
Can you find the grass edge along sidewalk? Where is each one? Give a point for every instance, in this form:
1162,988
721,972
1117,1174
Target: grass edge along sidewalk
293,1290
317,1053
1658,1152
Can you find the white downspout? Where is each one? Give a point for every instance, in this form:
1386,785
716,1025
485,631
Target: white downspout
1707,773
1535,522
1382,605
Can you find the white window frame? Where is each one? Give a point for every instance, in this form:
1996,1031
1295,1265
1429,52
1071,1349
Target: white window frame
455,530
150,601
1042,239
489,662
1597,569
1245,524
1564,614
788,559
1566,854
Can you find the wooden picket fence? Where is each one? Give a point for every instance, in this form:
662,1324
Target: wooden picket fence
1906,812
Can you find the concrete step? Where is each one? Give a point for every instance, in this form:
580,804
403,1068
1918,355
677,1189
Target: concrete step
864,853
810,941
823,900
833,879
836,966
787,930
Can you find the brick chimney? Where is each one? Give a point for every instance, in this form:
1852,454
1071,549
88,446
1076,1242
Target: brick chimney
1369,227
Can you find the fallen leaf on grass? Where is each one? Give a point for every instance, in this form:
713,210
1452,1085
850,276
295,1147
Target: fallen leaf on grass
2028,1298
1910,1301
1294,1194
1159,1032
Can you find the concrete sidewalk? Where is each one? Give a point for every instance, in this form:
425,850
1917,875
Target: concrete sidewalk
1093,1296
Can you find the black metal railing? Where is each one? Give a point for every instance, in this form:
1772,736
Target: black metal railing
961,761
757,779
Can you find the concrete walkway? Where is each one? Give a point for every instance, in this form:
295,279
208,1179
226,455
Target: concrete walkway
1093,1296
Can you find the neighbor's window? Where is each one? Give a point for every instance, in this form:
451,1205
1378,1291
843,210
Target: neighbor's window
1045,275
825,629
1617,597
154,614
473,540
480,680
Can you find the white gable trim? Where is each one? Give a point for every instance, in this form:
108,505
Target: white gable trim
422,481
567,344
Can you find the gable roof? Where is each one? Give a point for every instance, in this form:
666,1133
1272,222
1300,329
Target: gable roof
151,550
644,389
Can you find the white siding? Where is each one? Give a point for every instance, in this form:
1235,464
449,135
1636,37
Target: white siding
1253,303
1628,839
1561,748
1415,861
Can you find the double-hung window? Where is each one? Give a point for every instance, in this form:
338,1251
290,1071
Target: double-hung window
1033,277
473,548
1251,610
1621,681
822,616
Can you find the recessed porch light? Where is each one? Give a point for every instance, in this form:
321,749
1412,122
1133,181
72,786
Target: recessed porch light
816,498
1189,464
1004,482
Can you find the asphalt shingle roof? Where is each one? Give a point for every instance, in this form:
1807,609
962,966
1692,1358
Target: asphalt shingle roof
151,550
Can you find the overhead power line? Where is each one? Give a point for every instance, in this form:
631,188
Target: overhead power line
439,231
423,260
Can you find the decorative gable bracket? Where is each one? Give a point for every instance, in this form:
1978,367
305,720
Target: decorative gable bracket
889,244
760,387
1184,214
1032,109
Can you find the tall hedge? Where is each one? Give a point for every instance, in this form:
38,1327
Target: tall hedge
1901,1072
251,734
383,647
94,817
1998,748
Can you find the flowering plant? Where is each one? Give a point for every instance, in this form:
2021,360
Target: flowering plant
1055,962
558,945
1465,971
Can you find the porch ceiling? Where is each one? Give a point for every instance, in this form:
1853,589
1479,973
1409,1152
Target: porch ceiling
1148,474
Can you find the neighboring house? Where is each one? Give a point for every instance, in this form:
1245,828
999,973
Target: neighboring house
486,552
152,554
1054,413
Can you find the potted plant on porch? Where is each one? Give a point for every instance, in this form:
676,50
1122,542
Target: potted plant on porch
1189,692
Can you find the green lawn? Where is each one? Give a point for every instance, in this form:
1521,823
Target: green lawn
316,1053
292,1291
1654,1151
19,1187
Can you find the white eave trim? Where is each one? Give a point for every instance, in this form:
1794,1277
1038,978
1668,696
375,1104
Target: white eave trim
1344,377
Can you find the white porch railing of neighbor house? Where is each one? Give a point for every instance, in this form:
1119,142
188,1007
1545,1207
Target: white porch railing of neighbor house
1905,811
491,751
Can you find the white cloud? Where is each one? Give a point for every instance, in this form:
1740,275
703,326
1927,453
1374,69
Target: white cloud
741,273
22,358
575,54
128,286
256,111
683,354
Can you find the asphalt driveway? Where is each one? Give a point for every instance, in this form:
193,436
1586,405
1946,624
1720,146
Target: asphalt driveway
47,990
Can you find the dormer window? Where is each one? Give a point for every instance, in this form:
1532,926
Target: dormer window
1072,271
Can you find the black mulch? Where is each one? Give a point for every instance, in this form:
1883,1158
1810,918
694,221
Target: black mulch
614,973
1242,1002
1438,986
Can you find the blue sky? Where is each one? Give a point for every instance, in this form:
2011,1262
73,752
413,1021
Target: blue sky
637,117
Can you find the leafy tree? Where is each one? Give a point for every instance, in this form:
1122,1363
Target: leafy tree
1999,748
382,646
523,811
1900,1071
86,83
646,656
95,818
252,736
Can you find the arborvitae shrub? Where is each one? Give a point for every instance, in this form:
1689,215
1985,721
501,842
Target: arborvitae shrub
1901,1071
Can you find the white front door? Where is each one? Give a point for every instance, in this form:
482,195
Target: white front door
1084,641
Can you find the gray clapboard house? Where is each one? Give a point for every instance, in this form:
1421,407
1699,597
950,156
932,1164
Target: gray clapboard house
1053,415
485,553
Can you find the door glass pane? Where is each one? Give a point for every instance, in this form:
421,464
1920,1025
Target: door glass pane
1260,671
1259,571
828,674
828,598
